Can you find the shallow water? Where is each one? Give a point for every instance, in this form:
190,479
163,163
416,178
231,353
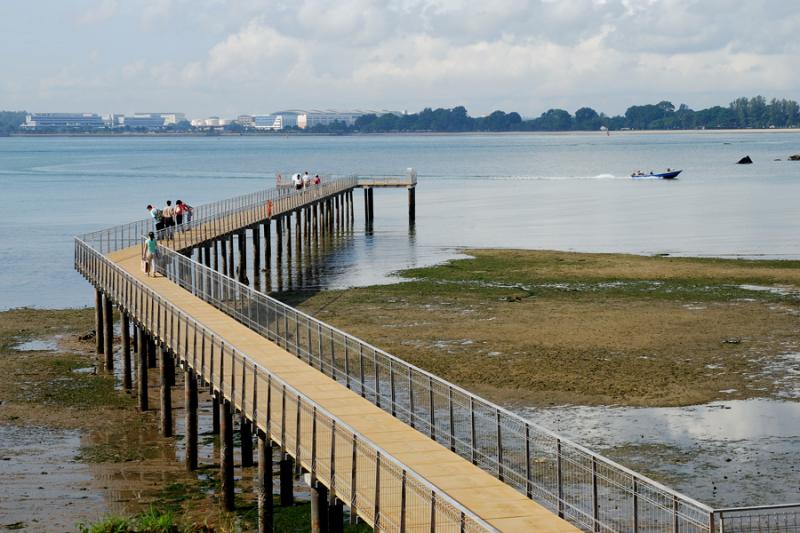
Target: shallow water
731,453
567,192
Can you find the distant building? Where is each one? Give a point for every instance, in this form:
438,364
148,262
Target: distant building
248,121
268,122
44,121
152,121
316,117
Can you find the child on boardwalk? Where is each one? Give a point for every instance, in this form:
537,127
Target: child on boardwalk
149,254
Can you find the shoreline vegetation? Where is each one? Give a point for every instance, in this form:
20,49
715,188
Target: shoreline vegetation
742,113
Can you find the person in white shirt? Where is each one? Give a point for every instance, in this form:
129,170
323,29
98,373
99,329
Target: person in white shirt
306,179
297,181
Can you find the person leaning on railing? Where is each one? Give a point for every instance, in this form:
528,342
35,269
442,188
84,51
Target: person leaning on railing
158,217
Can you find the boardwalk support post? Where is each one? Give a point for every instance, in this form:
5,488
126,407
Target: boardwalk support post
286,480
125,329
214,413
246,440
190,399
412,207
98,322
108,334
143,344
226,455
319,507
166,393
336,516
264,484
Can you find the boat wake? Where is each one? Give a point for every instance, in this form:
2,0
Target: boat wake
557,178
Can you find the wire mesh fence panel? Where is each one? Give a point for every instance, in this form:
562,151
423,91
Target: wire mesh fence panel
772,518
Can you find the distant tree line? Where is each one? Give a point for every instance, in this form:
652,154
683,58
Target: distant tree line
10,121
754,112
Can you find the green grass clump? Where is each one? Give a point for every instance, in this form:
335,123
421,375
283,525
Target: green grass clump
150,521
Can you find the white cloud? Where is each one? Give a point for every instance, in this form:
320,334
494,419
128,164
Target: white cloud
100,12
525,55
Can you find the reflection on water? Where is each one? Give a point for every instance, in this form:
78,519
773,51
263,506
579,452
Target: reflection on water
740,452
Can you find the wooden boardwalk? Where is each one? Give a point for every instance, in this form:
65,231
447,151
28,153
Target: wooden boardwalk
296,429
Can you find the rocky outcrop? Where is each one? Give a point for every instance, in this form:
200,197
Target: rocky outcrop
745,161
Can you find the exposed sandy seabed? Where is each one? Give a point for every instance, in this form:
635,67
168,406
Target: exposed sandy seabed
545,328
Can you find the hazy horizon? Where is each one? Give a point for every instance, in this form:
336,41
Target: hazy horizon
226,57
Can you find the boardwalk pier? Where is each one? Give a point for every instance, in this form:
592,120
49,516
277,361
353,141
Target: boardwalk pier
401,448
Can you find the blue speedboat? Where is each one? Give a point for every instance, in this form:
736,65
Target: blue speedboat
668,175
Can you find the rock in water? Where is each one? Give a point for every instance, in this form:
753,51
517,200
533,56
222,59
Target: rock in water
745,160
795,157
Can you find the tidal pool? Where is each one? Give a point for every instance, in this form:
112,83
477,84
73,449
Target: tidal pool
725,454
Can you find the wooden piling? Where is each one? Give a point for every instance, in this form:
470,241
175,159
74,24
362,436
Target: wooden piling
336,517
151,352
411,204
267,244
214,413
99,330
231,270
319,507
223,247
242,270
125,330
279,241
142,369
246,442
264,484
190,414
256,237
108,334
226,455
286,470
371,203
135,338
166,393
215,247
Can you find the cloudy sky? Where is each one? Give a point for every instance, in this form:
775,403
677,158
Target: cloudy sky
224,57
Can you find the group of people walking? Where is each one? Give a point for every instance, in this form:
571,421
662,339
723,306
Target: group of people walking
302,181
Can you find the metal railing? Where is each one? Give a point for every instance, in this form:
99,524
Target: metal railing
585,488
207,219
772,518
381,489
254,210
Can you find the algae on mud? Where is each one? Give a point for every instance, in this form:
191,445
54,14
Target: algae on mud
548,328
104,464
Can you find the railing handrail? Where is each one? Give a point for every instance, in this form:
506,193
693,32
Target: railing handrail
757,507
320,408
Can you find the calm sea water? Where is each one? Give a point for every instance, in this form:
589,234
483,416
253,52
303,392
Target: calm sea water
567,192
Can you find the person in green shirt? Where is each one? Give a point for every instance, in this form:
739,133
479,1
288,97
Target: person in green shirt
149,254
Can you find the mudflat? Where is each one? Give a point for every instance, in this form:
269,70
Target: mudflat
551,328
